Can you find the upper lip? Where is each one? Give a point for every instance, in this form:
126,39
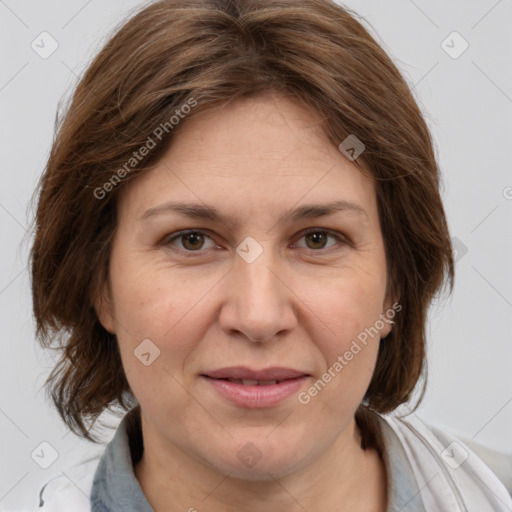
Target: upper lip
245,373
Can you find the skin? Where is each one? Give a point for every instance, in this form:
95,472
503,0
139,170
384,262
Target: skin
300,304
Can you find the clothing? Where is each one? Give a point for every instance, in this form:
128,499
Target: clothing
428,469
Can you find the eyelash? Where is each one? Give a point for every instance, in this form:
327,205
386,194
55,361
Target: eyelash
167,241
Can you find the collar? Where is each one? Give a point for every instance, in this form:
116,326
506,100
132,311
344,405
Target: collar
403,491
115,486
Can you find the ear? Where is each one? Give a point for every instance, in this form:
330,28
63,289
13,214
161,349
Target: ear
389,313
102,303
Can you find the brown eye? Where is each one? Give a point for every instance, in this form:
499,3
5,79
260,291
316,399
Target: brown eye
195,241
317,239
192,241
189,242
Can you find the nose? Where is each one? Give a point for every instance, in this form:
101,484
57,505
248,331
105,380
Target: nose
258,305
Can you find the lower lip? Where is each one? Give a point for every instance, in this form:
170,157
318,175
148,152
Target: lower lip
256,396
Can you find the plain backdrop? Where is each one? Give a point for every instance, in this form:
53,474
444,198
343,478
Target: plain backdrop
466,97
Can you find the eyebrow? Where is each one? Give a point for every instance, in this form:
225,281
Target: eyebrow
201,211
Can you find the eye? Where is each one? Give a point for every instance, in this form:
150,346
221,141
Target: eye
316,239
193,240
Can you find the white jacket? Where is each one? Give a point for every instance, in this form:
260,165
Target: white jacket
450,476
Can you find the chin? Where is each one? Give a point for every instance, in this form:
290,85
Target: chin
256,458
262,471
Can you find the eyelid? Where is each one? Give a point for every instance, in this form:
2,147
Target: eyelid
166,241
178,234
335,234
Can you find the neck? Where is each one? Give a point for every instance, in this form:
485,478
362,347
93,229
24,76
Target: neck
345,478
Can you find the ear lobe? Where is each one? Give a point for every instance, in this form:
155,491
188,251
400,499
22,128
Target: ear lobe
384,333
388,315
102,304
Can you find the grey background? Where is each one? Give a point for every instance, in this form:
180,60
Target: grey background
468,105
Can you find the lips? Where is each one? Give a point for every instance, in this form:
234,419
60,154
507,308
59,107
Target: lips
251,388
255,389
250,382
252,377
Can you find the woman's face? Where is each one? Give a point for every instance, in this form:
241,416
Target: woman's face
248,288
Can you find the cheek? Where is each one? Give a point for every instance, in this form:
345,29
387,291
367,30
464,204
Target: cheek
151,299
168,308
346,307
153,333
345,315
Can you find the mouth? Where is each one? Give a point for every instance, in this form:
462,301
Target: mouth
249,382
245,373
249,388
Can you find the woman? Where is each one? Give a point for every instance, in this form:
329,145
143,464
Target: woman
260,342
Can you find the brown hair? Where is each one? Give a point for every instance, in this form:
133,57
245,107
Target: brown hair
212,52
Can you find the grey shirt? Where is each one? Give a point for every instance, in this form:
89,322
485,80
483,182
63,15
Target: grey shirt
116,489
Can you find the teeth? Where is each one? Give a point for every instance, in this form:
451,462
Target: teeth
247,382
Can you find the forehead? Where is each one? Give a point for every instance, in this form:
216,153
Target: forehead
254,154
268,126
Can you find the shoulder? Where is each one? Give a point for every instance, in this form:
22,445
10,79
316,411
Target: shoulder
71,489
449,473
